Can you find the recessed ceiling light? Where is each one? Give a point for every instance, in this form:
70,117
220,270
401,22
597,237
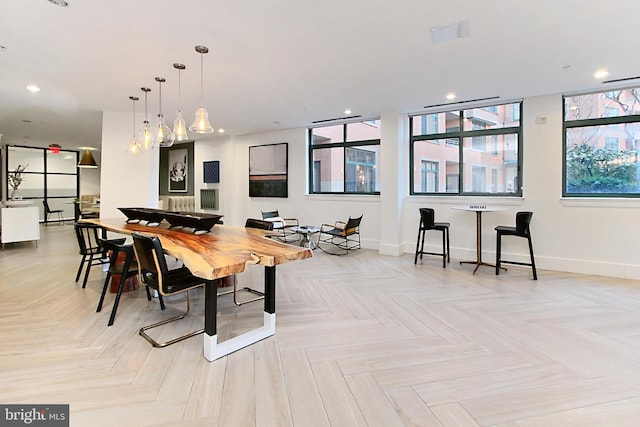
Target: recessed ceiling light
33,88
451,96
600,74
348,111
62,3
220,130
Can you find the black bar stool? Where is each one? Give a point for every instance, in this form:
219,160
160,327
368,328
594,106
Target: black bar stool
523,219
427,222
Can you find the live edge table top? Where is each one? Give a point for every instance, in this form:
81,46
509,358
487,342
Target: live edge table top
223,251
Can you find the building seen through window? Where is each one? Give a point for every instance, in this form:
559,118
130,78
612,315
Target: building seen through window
472,151
345,158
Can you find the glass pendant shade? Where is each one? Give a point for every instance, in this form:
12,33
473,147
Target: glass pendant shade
179,128
148,142
163,133
201,123
147,138
179,125
134,147
161,130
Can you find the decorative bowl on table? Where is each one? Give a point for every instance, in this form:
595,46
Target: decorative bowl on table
200,222
17,203
153,217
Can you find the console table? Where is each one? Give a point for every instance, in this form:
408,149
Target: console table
19,224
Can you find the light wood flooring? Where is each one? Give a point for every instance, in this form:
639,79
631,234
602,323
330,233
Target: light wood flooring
362,340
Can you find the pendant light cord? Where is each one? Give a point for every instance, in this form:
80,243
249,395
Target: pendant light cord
179,91
134,117
201,82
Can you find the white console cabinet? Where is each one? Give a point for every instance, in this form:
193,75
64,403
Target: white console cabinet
19,224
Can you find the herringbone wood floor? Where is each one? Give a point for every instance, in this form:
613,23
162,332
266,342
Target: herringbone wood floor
362,340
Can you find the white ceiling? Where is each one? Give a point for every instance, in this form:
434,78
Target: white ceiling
276,64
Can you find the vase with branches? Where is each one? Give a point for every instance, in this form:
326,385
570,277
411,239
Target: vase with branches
15,178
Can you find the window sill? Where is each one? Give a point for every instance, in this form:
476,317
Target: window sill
604,202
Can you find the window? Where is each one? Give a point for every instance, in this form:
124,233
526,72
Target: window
473,151
345,158
601,131
429,176
48,176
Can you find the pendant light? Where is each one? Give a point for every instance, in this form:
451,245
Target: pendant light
134,147
87,160
148,141
162,131
201,123
179,126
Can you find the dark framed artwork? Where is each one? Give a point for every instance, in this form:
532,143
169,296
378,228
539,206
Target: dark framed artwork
268,166
211,171
167,157
178,171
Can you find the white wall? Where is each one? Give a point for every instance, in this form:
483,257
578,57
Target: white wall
90,178
588,235
125,180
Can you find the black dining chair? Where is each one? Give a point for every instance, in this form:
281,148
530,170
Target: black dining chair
261,225
93,253
427,222
48,212
522,229
126,268
154,273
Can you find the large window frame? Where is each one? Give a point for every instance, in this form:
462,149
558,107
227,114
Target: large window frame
475,138
360,174
44,176
601,127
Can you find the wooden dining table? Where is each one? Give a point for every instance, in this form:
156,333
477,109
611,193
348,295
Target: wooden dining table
222,252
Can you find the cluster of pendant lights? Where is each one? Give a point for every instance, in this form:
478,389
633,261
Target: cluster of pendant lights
160,133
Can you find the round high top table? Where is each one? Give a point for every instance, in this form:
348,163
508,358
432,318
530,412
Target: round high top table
478,209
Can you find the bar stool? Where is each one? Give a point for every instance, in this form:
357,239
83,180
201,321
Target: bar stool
523,219
427,222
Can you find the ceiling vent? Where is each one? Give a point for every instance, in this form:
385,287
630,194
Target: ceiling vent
621,80
457,30
337,119
462,102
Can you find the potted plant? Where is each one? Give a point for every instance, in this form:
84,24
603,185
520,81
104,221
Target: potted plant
15,178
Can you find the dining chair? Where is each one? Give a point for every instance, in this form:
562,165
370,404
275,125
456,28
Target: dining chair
345,235
261,225
522,229
125,268
48,212
88,236
427,222
154,273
